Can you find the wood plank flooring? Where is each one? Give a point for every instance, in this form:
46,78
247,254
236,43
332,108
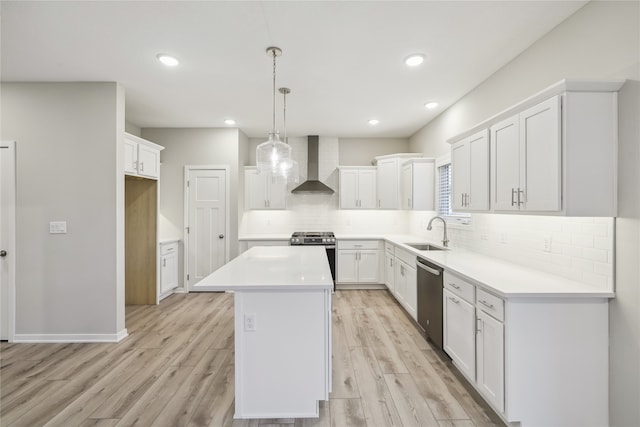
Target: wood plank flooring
176,368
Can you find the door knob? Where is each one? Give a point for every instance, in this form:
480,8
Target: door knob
221,236
3,253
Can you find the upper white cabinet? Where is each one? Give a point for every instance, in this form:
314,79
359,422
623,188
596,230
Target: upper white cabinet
141,157
357,187
418,184
526,170
389,179
470,173
554,153
264,190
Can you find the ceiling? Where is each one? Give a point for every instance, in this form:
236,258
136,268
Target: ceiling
342,60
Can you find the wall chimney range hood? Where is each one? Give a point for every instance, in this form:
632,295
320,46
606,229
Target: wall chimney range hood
312,184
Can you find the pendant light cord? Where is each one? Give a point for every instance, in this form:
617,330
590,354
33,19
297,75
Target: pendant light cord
284,116
273,129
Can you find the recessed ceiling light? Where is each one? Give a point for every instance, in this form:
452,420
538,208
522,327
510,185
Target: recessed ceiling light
167,60
374,122
431,105
229,122
414,60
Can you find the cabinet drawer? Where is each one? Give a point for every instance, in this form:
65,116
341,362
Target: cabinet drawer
490,304
459,286
389,248
407,257
357,244
168,248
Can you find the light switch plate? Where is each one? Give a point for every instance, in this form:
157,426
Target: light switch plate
249,322
57,227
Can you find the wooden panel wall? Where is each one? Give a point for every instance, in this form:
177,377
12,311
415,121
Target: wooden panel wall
141,213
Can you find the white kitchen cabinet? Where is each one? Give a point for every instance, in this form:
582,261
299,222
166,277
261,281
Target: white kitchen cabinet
526,167
357,187
406,281
418,184
168,267
490,358
389,179
264,190
389,269
358,261
470,173
141,157
458,332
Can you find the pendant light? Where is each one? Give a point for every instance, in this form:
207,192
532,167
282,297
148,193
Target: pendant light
292,175
274,156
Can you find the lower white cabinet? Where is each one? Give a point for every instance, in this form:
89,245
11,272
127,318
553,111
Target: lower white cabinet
358,261
458,332
168,266
406,281
490,358
389,270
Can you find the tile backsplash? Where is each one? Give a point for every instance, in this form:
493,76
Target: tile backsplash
576,248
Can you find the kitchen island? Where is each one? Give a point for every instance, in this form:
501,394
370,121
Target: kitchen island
282,306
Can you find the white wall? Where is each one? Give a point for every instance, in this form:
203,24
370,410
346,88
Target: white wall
361,151
69,168
193,146
601,40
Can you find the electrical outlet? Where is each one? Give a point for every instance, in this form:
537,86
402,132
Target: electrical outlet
546,243
250,322
57,227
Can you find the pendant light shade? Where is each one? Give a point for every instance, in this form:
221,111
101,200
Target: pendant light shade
274,156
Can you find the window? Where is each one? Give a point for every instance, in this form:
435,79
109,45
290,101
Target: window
444,195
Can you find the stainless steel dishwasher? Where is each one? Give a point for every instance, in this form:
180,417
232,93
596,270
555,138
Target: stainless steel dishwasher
430,300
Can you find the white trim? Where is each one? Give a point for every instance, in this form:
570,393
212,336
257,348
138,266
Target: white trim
9,239
185,218
70,338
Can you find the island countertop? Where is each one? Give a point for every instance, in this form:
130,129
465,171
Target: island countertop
272,267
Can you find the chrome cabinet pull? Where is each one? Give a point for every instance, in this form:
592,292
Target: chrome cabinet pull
519,193
454,285
478,323
486,304
461,199
513,193
454,300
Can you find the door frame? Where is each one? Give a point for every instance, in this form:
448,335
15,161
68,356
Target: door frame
185,249
9,219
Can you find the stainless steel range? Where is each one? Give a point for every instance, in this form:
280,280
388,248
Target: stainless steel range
322,238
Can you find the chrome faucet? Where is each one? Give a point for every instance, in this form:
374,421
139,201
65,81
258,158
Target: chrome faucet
445,241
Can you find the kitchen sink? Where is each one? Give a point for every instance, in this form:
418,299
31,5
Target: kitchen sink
425,247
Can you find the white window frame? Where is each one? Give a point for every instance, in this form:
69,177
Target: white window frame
455,219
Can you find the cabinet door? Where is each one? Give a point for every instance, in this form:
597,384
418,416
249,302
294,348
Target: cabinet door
460,170
168,272
540,174
367,189
255,189
389,272
505,168
387,177
407,187
148,162
459,333
478,198
276,192
368,266
399,280
347,266
348,188
411,291
490,358
130,157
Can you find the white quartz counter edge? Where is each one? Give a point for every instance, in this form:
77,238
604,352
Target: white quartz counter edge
265,237
266,268
503,278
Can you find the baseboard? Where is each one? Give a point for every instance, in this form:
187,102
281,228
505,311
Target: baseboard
69,338
358,286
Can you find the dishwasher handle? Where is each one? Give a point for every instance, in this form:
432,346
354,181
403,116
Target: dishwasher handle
428,269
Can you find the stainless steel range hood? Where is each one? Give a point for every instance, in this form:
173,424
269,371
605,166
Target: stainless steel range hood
312,184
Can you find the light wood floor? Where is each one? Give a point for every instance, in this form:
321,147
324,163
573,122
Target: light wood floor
176,369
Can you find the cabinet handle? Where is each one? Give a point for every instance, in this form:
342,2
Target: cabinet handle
141,164
454,300
486,304
164,262
390,262
467,200
513,193
409,202
134,165
379,204
478,323
519,193
453,285
462,199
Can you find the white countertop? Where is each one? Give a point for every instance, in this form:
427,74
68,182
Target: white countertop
499,277
265,237
272,268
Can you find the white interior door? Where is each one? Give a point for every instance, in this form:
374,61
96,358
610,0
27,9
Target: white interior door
207,207
7,238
